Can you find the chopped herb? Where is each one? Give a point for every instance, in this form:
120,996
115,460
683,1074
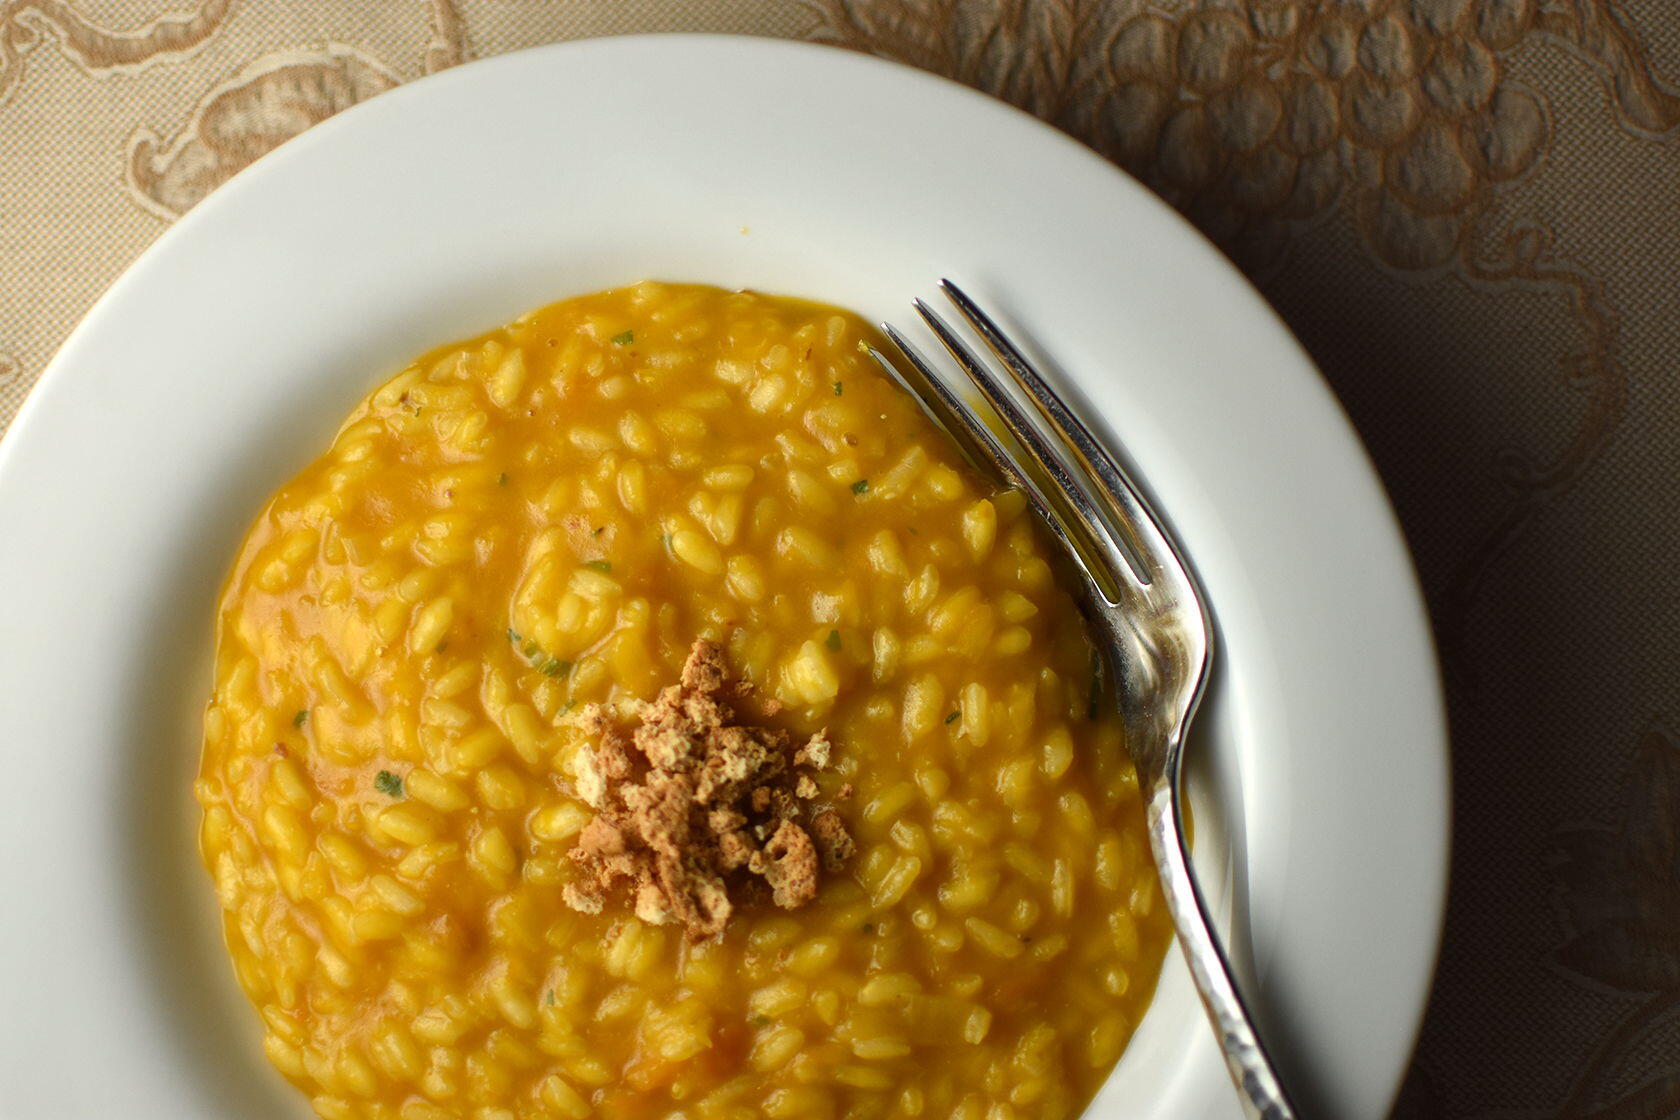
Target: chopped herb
567,706
302,717
861,486
551,997
834,640
839,388
554,667
388,784
441,646
501,479
600,565
869,927
761,1020
952,718
513,637
532,651
599,529
624,339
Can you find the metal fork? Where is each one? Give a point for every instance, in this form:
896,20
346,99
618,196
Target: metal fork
1148,612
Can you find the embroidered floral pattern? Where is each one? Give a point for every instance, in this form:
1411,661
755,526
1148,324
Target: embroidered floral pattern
264,105
1619,901
27,24
272,100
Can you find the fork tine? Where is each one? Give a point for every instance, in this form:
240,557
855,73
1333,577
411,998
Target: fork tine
943,408
978,443
1076,504
1125,512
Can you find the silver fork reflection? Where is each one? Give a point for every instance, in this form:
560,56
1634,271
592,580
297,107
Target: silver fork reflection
1148,613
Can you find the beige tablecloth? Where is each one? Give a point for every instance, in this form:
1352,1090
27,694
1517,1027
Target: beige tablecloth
1469,210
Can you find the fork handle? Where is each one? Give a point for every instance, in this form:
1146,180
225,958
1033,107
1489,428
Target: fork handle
1258,1086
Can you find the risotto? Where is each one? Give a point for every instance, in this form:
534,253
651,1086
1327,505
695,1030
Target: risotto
547,518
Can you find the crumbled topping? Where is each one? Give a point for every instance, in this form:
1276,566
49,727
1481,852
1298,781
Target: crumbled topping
689,801
816,752
832,839
790,866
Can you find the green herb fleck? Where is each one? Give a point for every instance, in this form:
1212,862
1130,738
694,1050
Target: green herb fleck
602,566
388,784
599,529
861,486
554,667
301,718
567,706
532,651
624,339
833,642
761,1020
551,997
441,646
952,718
501,479
513,637
839,388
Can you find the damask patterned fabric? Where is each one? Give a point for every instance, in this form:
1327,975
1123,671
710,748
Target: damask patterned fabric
1469,210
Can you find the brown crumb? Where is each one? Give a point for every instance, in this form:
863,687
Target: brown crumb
581,899
832,839
816,752
691,807
791,866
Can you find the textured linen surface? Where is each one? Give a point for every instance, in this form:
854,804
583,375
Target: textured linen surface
1469,211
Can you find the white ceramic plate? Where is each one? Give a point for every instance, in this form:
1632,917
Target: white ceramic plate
223,360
